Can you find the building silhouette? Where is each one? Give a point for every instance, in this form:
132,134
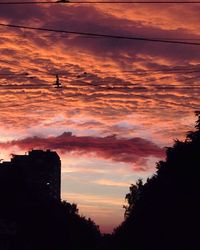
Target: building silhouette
39,172
26,182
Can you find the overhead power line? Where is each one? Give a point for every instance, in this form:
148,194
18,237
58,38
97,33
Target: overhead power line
182,70
165,71
150,98
97,2
176,104
100,35
102,86
3,35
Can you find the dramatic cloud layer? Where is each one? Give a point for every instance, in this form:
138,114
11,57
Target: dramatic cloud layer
122,78
143,92
134,150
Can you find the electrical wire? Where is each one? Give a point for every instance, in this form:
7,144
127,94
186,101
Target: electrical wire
97,2
99,35
85,74
68,35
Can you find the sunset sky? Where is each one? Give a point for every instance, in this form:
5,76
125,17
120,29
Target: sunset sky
110,124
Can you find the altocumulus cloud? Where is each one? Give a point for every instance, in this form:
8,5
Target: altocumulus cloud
133,151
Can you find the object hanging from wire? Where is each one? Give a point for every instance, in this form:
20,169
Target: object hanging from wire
57,83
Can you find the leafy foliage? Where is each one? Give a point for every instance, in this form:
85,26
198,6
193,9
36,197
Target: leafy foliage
163,213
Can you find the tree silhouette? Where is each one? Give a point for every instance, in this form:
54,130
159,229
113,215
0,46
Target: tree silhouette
133,197
164,213
30,222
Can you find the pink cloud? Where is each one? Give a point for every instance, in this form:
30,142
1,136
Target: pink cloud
134,150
